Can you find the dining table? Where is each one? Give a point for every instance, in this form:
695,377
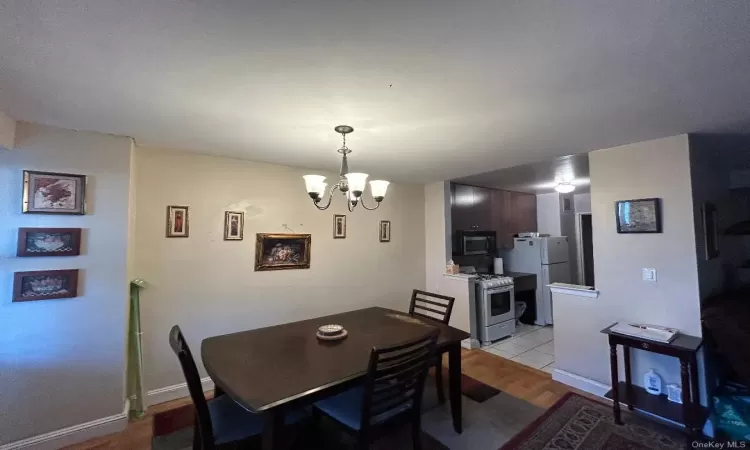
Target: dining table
276,369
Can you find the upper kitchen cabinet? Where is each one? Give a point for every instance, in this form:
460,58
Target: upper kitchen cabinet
524,212
462,198
471,208
482,209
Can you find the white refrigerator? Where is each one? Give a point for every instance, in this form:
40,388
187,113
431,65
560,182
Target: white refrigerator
547,258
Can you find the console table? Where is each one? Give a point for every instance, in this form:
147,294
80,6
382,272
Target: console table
683,347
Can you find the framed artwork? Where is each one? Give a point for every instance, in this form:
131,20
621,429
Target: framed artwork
282,251
49,242
45,285
638,216
234,223
385,231
178,221
710,230
339,226
53,193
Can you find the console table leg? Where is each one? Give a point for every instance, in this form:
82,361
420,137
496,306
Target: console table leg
628,378
687,406
695,395
615,383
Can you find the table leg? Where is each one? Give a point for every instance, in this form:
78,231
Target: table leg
695,394
628,378
454,385
272,425
615,383
687,407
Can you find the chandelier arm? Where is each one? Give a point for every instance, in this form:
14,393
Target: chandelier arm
349,205
330,196
362,201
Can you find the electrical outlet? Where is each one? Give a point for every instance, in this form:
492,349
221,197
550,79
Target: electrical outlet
649,274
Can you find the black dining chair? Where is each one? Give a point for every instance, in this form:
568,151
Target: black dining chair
392,391
221,420
435,307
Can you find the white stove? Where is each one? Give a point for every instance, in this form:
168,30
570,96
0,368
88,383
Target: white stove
495,307
489,281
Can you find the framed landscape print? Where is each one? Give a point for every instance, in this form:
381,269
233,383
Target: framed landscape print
234,222
385,231
638,216
49,242
178,221
339,226
45,285
53,193
282,251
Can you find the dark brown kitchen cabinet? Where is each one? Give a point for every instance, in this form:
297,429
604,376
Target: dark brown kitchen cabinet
524,212
471,208
462,198
501,218
482,209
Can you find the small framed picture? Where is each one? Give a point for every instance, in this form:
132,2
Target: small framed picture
49,242
178,221
385,231
45,285
638,216
53,193
339,226
234,222
282,251
710,231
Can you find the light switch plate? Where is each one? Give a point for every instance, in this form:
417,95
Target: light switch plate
649,274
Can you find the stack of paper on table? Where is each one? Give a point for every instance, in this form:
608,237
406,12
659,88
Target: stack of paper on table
641,330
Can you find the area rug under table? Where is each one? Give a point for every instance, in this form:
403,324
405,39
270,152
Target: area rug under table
575,422
491,418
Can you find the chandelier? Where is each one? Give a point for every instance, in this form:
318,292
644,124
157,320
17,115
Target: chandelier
351,184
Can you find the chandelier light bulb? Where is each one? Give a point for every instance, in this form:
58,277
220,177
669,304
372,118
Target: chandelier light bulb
356,183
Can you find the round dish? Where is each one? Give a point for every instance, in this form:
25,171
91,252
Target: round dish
334,337
330,330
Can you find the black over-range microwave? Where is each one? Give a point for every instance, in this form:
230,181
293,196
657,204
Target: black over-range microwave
471,243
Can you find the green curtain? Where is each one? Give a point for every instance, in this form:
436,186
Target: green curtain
135,354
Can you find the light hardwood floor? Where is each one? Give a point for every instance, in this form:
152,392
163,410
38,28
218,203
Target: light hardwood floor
520,381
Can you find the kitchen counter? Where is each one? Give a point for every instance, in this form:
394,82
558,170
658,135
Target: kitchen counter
522,281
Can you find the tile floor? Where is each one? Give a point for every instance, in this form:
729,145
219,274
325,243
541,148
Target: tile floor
530,345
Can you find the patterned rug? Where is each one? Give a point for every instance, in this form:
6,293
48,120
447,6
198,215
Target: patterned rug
575,422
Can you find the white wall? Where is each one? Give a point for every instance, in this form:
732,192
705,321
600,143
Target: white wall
582,203
438,250
568,228
7,131
62,362
548,214
208,285
658,168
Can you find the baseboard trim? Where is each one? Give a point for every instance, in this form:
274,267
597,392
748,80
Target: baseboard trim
174,392
75,434
579,382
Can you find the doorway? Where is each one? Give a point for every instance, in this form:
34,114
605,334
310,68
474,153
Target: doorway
585,249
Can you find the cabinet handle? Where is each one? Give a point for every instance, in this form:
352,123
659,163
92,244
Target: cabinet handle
644,345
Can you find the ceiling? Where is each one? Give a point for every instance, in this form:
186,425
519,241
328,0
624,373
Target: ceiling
435,89
536,178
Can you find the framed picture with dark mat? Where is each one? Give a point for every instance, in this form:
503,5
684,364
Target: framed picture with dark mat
48,242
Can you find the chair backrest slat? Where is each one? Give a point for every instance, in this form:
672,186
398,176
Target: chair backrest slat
190,371
395,377
432,306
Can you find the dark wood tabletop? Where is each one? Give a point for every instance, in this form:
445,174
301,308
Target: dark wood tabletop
268,367
681,342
